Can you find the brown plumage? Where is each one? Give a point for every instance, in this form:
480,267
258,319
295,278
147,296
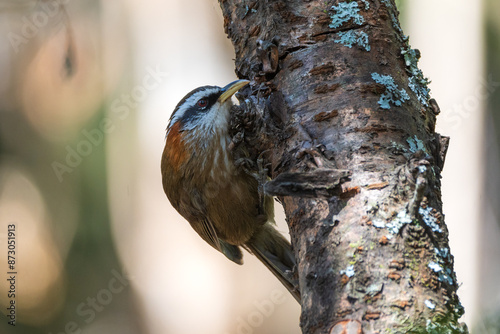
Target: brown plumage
220,201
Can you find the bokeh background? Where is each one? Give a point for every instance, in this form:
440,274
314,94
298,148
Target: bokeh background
86,90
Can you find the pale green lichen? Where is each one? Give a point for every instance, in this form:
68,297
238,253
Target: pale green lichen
430,304
442,253
416,144
352,37
429,219
392,92
349,271
435,267
399,148
446,328
356,244
374,289
344,12
445,274
378,223
395,225
417,82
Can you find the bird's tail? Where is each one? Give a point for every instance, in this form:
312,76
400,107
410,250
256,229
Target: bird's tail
272,249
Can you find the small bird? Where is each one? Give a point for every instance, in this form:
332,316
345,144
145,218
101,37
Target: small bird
220,201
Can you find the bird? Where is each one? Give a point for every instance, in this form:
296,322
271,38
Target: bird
220,201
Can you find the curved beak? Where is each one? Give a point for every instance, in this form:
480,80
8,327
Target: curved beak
232,88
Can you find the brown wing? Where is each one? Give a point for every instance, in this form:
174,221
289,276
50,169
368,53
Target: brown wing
195,214
208,233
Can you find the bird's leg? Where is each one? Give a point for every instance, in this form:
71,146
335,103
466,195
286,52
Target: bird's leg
236,141
246,165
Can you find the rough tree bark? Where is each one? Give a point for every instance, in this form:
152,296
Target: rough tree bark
348,133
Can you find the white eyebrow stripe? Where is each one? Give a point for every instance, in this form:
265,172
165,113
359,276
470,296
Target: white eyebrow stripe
179,113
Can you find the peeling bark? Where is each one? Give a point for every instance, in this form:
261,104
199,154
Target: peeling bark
341,113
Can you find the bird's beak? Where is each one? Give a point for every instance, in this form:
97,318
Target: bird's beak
232,88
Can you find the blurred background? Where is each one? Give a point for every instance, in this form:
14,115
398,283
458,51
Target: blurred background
86,91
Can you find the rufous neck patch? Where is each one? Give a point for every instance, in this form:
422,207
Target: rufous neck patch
175,151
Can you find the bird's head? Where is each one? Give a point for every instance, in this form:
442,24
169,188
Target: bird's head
204,110
198,121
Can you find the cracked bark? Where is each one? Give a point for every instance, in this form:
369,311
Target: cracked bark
355,163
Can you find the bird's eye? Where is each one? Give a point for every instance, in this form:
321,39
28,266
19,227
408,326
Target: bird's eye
202,103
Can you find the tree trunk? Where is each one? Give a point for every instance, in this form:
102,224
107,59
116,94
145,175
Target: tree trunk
348,133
